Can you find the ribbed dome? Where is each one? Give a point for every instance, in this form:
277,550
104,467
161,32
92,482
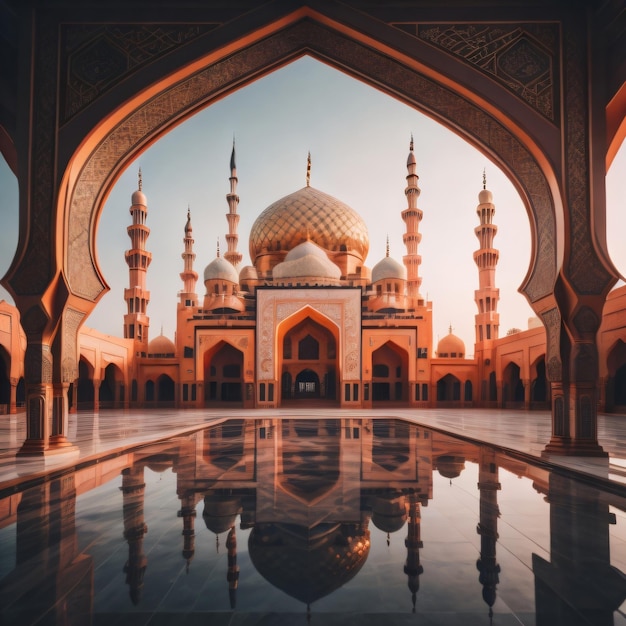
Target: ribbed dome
161,345
221,269
307,260
388,268
451,345
309,214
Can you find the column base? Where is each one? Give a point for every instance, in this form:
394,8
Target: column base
571,447
39,448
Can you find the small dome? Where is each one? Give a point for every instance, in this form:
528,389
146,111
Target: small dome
248,273
388,268
451,346
221,269
450,466
161,345
307,260
485,196
138,197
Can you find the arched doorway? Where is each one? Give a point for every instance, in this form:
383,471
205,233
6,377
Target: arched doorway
615,387
539,387
512,386
111,388
223,375
308,362
85,392
400,58
390,374
5,381
166,391
448,389
307,385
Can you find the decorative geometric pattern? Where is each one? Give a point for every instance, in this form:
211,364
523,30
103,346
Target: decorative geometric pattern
97,57
309,214
523,58
583,266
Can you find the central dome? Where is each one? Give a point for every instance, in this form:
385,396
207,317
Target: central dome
309,214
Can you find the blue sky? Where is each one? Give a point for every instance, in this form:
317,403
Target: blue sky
359,141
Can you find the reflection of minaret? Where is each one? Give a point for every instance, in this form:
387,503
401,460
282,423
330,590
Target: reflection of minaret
188,513
231,255
486,258
133,488
412,217
233,569
413,543
136,320
188,296
488,527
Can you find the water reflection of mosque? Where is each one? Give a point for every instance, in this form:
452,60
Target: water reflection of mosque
308,490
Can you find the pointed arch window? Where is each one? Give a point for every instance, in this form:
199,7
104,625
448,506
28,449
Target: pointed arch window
308,349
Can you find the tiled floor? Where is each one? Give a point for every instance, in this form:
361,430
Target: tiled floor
521,433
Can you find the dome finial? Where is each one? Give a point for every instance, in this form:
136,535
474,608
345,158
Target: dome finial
218,247
484,178
308,170
387,247
140,181
450,328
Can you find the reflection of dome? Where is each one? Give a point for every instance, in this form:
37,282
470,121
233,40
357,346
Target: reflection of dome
309,214
388,268
307,260
308,563
450,466
451,346
161,345
221,269
220,512
389,513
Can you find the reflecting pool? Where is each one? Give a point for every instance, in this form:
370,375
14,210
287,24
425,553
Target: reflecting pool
297,521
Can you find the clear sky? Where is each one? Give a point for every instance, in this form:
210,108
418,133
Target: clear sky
359,140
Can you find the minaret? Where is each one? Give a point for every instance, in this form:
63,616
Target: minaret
233,569
413,542
232,216
412,217
486,258
188,296
487,528
136,321
133,490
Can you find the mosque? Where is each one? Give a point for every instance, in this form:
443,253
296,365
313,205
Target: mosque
309,322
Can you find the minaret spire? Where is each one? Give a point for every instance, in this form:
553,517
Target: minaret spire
137,297
486,258
412,217
232,255
308,170
188,296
